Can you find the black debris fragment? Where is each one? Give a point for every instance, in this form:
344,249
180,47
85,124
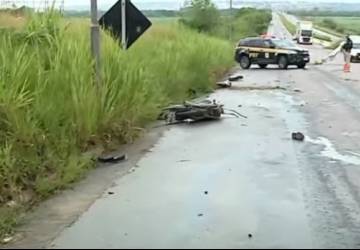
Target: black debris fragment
112,158
298,136
250,236
224,84
235,78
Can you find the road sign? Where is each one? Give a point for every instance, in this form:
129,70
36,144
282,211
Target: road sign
124,15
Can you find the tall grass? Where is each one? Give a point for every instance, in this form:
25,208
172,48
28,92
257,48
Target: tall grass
288,25
245,22
51,110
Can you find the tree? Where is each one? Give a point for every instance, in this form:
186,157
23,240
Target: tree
200,14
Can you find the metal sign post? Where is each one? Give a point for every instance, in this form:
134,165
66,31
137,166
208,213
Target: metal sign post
123,24
95,39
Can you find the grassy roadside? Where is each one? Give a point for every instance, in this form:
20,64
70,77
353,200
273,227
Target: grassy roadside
339,25
288,25
329,31
246,22
51,111
322,37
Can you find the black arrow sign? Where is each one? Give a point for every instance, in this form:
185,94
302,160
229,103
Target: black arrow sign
136,22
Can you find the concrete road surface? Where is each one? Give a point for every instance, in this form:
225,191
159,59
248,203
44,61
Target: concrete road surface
244,183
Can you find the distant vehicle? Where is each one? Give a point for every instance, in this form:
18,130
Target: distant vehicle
304,32
265,51
355,52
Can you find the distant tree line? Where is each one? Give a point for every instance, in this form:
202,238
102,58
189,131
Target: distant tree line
325,13
203,16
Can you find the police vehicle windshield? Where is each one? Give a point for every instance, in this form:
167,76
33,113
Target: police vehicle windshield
283,43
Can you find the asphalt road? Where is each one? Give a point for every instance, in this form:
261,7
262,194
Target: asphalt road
243,183
294,20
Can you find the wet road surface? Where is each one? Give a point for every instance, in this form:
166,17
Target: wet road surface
210,185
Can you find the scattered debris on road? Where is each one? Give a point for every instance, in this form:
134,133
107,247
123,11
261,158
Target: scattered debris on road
250,236
200,215
297,90
184,161
224,84
112,158
228,83
298,136
132,170
234,78
206,192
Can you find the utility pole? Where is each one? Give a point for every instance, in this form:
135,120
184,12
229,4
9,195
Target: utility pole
231,20
62,6
95,39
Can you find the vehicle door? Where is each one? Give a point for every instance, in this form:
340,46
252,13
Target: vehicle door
255,50
266,53
271,52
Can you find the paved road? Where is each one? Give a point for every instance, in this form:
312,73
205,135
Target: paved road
294,20
210,185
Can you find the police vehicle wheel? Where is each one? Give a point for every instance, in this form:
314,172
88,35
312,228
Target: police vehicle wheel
302,66
245,62
283,62
263,66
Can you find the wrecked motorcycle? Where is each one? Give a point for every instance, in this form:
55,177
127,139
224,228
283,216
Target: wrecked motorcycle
194,112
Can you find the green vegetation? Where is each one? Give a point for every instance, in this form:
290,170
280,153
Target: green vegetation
334,44
322,37
51,111
247,22
240,23
201,15
343,25
336,23
288,25
329,31
161,13
325,13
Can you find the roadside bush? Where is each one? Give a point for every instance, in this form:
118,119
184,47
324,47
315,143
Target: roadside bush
322,37
201,15
288,25
245,22
329,23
